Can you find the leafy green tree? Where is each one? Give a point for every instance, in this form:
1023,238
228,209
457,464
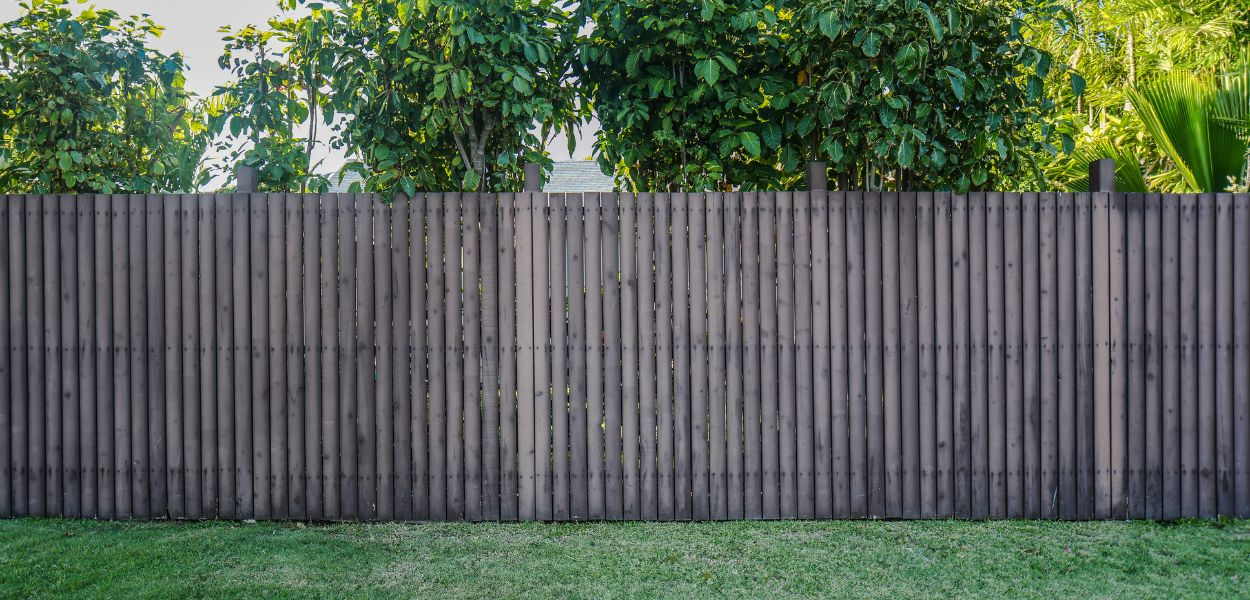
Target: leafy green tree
449,95
690,94
87,106
277,87
946,94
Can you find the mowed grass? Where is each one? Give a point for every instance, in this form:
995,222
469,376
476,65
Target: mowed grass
50,557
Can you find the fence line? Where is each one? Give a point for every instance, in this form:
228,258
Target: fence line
663,356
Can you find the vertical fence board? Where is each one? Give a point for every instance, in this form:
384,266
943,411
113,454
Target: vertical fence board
106,347
86,331
1066,347
331,213
682,341
858,352
943,365
241,392
221,353
261,237
1135,356
699,389
527,399
1030,353
578,341
1206,344
9,353
627,253
892,373
908,351
960,385
1223,418
1087,319
310,344
491,304
770,339
925,255
788,367
996,355
1118,347
1170,335
842,343
543,313
718,493
1104,374
665,346
978,355
471,322
735,472
206,298
54,374
19,220
70,345
752,384
1190,338
559,401
454,351
384,366
437,347
824,312
649,326
875,299
803,340
508,402
39,245
279,358
1013,312
1048,369
1241,399
609,276
1153,296
591,253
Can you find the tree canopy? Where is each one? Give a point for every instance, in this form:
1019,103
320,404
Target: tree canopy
449,95
86,105
689,94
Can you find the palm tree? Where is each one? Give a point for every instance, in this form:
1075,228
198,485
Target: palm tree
1201,124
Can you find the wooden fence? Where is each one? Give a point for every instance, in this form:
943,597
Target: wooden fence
604,356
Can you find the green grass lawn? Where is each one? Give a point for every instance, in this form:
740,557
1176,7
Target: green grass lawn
48,557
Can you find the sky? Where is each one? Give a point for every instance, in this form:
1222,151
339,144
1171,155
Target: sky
191,28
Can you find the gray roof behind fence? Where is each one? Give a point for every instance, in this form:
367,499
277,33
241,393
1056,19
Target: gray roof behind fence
566,176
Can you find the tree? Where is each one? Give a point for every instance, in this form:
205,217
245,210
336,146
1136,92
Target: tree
1120,45
87,106
690,93
447,95
946,94
279,76
1200,124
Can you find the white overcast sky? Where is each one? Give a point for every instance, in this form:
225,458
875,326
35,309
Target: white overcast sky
191,28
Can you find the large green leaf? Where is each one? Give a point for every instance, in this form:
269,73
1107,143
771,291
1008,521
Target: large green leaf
1180,111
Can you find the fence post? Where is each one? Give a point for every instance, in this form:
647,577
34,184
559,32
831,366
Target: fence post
1102,175
817,176
533,177
245,176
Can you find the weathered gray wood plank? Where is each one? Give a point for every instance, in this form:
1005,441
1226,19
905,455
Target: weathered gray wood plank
805,361
630,348
699,387
648,326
